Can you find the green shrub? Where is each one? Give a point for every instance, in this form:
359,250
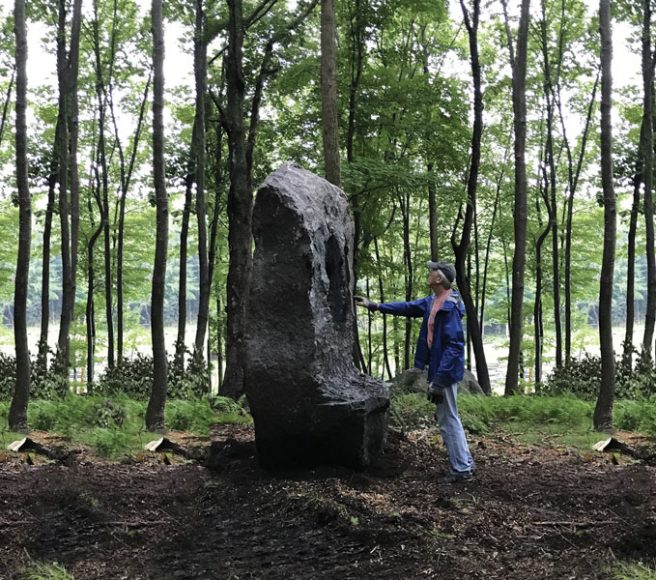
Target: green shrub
411,411
195,416
582,378
110,442
44,384
134,378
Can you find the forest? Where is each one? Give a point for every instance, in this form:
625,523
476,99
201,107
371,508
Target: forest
514,140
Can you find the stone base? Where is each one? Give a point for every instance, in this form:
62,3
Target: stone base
344,433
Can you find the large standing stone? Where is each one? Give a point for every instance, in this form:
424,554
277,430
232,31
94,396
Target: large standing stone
309,403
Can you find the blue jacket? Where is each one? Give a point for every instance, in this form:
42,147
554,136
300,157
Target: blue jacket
446,358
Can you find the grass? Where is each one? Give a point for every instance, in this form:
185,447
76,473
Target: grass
565,420
44,571
115,426
633,571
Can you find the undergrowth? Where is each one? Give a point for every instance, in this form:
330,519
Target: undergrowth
565,414
115,426
633,571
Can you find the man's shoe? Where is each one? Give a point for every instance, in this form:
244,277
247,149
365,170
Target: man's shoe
460,477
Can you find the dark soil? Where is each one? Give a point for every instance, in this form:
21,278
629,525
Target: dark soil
531,512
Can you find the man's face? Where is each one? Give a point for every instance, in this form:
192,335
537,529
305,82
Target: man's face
434,278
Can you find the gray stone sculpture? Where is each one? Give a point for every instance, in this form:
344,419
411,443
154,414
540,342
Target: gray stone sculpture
310,404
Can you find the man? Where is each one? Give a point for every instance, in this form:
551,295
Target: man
441,347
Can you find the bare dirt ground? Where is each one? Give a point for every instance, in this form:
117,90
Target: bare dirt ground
532,512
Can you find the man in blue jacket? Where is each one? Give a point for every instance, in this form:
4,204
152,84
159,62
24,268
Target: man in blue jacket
440,347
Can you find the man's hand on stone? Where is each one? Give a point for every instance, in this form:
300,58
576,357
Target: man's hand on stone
435,394
366,303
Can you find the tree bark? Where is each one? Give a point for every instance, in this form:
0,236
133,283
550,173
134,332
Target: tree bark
647,148
200,73
520,211
603,413
101,98
62,154
551,182
329,113
182,273
461,250
155,411
20,399
240,207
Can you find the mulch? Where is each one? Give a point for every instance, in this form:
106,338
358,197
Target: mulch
531,512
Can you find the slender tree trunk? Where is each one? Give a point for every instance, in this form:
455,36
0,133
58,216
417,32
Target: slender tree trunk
62,139
537,307
573,177
329,114
200,72
90,307
155,411
381,291
182,278
42,360
404,202
627,354
462,249
20,399
488,249
73,130
520,212
603,413
550,198
647,148
240,206
432,215
104,186
126,177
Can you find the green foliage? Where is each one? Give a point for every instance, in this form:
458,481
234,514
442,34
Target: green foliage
481,415
411,411
110,442
45,571
195,416
582,378
134,378
46,385
633,571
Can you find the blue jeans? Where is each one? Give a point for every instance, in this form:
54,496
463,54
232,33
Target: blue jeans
453,434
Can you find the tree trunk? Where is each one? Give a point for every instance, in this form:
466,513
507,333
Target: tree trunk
101,99
382,299
20,399
182,277
462,249
42,358
126,176
240,205
627,355
329,113
550,194
603,413
573,177
520,211
155,411
90,307
62,140
432,215
647,148
404,203
200,73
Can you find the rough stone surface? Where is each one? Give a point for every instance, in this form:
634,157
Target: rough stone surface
310,404
416,381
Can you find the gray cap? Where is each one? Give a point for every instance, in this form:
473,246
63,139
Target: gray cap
447,269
